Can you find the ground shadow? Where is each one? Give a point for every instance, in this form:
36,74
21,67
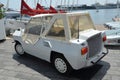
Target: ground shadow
96,72
113,47
2,41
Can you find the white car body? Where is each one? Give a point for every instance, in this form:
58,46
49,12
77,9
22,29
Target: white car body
45,45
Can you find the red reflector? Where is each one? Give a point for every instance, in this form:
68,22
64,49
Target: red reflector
104,38
84,50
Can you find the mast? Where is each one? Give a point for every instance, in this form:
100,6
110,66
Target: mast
61,5
40,1
118,7
34,3
96,5
50,2
68,5
46,3
64,4
7,5
106,2
77,5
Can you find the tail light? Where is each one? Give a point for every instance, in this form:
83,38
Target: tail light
84,50
104,38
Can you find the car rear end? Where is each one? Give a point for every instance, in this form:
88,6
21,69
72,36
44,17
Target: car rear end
95,48
82,28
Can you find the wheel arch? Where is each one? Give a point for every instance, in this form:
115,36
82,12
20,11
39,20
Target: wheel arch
54,53
16,41
19,52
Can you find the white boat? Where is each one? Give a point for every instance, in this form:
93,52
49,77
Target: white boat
115,24
113,34
117,18
13,21
112,25
113,38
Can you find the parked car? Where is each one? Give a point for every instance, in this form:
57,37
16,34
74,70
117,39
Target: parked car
67,40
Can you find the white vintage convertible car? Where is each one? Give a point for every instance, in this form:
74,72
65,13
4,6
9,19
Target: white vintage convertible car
67,40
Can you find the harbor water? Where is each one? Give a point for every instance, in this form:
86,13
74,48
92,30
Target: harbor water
103,15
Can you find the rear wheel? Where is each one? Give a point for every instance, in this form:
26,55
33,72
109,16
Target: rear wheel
19,49
61,65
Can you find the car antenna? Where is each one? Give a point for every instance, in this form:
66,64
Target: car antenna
78,30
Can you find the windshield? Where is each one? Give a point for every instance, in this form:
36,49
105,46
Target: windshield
79,23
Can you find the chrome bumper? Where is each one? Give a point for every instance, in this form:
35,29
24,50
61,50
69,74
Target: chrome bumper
97,58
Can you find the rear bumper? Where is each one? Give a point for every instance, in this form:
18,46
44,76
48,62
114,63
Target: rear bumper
96,59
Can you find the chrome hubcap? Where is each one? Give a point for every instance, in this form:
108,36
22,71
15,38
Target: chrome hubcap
60,65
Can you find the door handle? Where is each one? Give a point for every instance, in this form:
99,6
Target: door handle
47,44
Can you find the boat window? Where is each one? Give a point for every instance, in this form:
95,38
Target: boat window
79,23
57,30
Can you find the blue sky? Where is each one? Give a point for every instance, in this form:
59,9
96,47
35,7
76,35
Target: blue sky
15,4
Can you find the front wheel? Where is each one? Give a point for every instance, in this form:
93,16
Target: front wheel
61,65
19,49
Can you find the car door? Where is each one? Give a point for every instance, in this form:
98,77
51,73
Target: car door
34,44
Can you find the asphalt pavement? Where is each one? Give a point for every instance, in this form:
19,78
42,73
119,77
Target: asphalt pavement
14,67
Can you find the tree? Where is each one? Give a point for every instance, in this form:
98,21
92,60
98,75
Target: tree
1,12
